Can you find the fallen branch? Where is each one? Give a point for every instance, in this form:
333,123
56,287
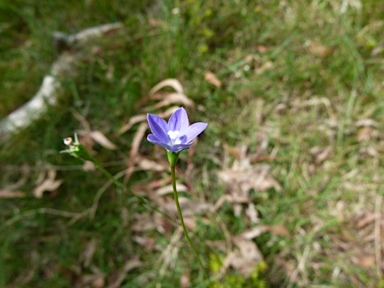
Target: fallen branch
51,86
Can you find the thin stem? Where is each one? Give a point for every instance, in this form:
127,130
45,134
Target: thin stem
173,174
121,186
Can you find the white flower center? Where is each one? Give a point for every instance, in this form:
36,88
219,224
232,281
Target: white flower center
174,135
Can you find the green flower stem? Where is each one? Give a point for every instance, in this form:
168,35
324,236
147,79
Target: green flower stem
121,186
173,174
79,151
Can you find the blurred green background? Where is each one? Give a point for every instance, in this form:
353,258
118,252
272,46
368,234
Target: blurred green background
298,84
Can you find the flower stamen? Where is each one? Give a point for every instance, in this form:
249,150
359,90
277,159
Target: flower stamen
173,134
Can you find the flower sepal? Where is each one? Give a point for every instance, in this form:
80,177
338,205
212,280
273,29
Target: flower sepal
172,157
76,150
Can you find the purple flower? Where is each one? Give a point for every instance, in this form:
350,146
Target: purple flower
177,134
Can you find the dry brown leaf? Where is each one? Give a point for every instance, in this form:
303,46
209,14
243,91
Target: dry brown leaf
174,83
136,141
366,218
155,22
320,154
47,184
132,121
245,258
370,151
252,213
211,78
236,199
236,152
147,242
366,123
262,49
279,230
11,194
143,222
149,165
185,280
365,134
102,140
87,255
243,177
82,120
89,166
109,75
89,280
142,118
254,232
240,179
188,206
366,260
87,137
150,186
117,278
168,189
175,98
265,67
134,152
261,229
190,222
321,50
86,140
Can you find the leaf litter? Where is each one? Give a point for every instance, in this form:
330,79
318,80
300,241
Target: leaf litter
240,178
46,182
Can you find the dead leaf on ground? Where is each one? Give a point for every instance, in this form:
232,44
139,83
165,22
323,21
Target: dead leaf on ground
320,154
143,118
262,49
265,67
88,137
153,185
156,23
185,280
143,222
365,260
102,140
261,229
211,78
46,182
89,281
89,166
241,177
244,258
236,152
188,206
320,50
169,189
174,98
149,165
87,255
367,133
174,83
134,152
367,123
116,278
146,242
235,199
11,194
358,240
132,121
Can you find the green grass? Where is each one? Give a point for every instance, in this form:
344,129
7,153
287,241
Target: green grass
280,98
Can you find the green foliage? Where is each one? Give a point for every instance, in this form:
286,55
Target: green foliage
235,280
280,97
